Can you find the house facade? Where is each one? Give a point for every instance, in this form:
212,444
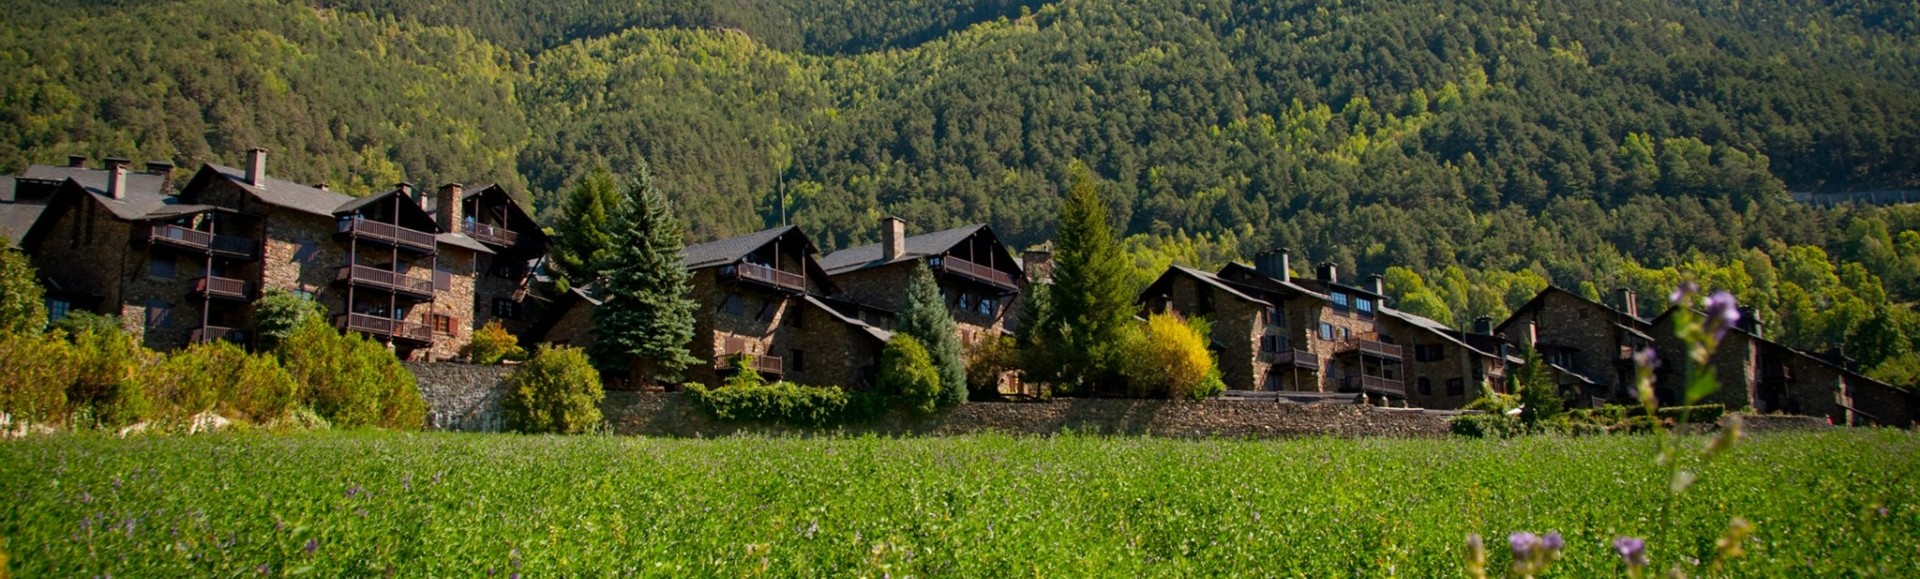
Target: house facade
1589,344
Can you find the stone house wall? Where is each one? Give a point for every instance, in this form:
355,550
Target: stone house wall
87,249
1237,327
1568,321
1888,406
456,301
1305,316
302,256
885,287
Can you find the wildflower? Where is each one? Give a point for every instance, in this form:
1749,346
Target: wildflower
312,546
1646,358
1728,545
1723,313
1685,290
1476,557
264,569
1532,554
1523,544
1632,550
1729,432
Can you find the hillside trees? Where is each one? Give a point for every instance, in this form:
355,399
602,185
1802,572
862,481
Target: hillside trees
584,232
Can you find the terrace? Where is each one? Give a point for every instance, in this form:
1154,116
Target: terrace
383,280
386,233
202,242
379,326
495,235
223,288
973,271
765,275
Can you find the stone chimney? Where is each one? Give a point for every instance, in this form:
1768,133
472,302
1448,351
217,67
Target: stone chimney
446,207
165,170
1483,325
321,186
1275,263
1038,263
117,178
893,238
1628,302
1329,272
76,161
406,190
1533,334
257,167
1377,284
1750,322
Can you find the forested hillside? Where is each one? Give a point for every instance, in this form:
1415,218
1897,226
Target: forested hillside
1487,147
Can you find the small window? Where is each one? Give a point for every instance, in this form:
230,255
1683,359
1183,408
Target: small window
796,317
1340,301
304,294
988,306
1273,317
159,315
1344,334
307,252
1326,331
1456,387
506,308
1365,306
1429,352
767,310
160,266
797,359
443,324
733,304
966,301
1425,386
57,309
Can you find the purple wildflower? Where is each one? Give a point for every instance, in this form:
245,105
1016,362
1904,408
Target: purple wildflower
116,483
264,569
354,491
1552,541
1685,290
1723,313
1646,358
1631,550
1523,544
313,545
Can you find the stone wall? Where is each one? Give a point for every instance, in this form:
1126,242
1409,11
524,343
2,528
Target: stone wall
462,397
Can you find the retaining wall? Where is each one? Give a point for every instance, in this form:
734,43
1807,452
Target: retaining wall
462,397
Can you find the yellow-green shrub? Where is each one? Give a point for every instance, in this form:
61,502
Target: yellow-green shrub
557,391
350,380
34,373
221,376
1167,357
491,344
108,367
908,375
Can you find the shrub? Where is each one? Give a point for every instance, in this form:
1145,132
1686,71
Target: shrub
1167,357
278,313
107,386
1538,394
34,373
1698,414
779,402
223,377
492,344
82,321
986,362
557,391
1487,426
350,380
22,309
908,375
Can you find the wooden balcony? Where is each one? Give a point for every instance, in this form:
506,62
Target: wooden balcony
206,334
221,288
1368,347
203,242
387,233
494,235
384,327
766,275
1301,359
1374,385
769,365
380,279
973,271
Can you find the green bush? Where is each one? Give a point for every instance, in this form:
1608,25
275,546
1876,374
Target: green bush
109,367
908,375
1487,426
82,321
34,373
350,380
22,308
278,313
1700,414
779,402
557,391
222,377
492,344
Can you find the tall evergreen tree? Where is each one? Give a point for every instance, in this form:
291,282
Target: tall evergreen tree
926,319
647,316
1091,300
584,234
1035,336
21,307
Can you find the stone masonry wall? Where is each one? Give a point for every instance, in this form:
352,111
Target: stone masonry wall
462,397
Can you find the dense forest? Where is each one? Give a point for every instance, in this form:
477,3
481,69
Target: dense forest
1481,149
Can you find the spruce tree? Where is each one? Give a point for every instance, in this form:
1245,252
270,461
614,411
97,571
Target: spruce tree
926,319
1091,299
647,315
584,234
1036,338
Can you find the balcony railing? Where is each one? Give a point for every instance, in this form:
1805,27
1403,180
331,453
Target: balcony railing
1368,347
210,333
1296,358
223,288
1374,385
381,279
388,233
203,241
973,271
380,326
762,364
766,275
493,234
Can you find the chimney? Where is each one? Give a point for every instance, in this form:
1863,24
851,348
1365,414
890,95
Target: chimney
1378,283
893,238
117,178
1750,321
1483,325
1275,263
321,186
446,207
1629,303
165,171
1533,334
1329,272
1038,263
76,161
257,167
406,190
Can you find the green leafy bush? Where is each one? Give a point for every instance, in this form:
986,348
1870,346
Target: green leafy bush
350,380
109,367
1487,426
907,374
557,391
82,321
222,377
986,362
34,373
779,402
278,313
493,344
22,309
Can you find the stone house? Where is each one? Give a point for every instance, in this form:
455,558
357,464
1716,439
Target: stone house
504,277
1448,368
978,276
1334,324
1765,376
1590,345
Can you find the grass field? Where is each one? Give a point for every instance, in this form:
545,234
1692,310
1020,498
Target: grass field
463,505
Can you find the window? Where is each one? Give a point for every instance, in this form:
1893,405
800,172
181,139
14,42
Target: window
443,324
506,308
767,310
966,302
304,293
57,309
1340,301
307,252
796,317
159,315
733,304
1273,381
1273,317
1425,386
1456,387
1365,306
1344,334
988,306
1326,331
797,359
160,266
1429,353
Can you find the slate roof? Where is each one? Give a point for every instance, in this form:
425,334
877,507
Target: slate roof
145,192
877,333
918,246
727,251
288,194
15,218
1214,281
1485,348
1540,298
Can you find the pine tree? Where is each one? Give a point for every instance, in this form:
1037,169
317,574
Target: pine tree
926,319
21,307
1539,395
1091,300
647,316
585,231
1035,336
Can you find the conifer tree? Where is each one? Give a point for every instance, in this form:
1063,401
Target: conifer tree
926,319
647,314
584,234
1091,301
